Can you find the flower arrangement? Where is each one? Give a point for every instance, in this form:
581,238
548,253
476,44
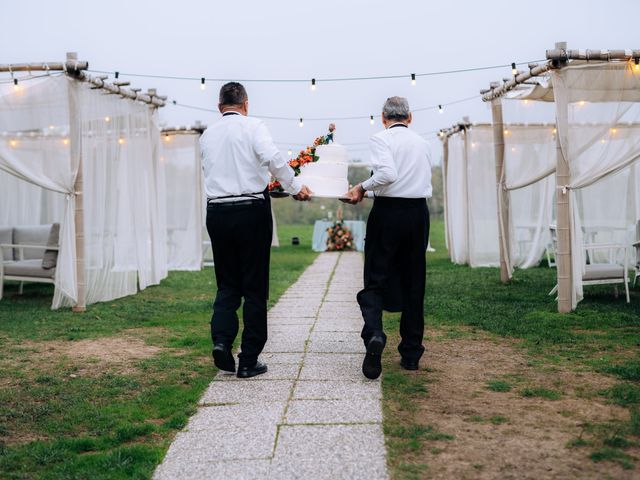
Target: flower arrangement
305,156
339,237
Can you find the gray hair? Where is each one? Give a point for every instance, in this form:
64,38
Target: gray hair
396,108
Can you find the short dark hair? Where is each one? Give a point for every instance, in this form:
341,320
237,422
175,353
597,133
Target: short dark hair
232,93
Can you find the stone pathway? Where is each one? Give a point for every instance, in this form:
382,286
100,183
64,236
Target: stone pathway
313,415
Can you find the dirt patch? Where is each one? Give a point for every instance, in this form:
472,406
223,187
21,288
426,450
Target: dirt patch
504,434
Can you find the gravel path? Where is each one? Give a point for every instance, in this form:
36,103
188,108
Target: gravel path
313,415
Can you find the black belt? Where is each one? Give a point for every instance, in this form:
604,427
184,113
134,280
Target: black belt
251,201
399,202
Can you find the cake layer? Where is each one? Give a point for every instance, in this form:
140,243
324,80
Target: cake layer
326,187
332,153
321,169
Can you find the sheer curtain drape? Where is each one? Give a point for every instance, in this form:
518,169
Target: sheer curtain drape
185,202
598,111
457,214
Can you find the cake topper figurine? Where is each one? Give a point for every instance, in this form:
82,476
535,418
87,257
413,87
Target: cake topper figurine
332,127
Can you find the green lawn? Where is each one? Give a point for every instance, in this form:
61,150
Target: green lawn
65,417
603,335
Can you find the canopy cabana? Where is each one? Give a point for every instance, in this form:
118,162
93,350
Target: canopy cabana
595,93
85,153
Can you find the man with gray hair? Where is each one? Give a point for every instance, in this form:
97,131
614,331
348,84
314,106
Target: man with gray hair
397,236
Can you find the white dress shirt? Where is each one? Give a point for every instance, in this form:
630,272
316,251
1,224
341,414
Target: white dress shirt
238,155
401,164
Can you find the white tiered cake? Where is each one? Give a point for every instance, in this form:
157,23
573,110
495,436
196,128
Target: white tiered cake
328,176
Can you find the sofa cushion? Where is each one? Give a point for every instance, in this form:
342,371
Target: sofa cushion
50,258
6,237
603,271
31,235
28,268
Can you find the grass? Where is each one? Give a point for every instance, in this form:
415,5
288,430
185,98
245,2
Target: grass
602,335
65,418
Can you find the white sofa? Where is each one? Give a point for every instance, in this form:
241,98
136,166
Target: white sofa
29,253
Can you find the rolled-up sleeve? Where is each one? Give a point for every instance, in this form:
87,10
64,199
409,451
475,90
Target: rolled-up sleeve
384,170
270,156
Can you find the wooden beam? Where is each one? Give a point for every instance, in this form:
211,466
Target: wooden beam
499,90
68,66
563,55
502,194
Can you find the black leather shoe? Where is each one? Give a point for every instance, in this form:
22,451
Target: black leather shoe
247,372
372,364
223,358
409,364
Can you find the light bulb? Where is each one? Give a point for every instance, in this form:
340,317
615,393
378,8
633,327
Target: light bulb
121,141
107,119
582,102
202,84
614,131
65,141
13,143
16,87
440,109
301,124
313,84
506,131
167,138
554,131
413,79
371,119
514,69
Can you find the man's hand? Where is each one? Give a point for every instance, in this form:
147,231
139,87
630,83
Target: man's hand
355,195
304,195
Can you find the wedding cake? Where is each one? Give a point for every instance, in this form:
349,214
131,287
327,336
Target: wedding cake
327,177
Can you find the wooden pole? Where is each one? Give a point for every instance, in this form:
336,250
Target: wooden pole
499,90
75,149
69,66
563,206
502,194
445,200
563,55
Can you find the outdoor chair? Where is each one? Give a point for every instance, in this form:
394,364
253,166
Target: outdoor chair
608,272
28,254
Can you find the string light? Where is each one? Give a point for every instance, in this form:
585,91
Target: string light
413,79
167,138
440,109
117,75
554,131
441,134
506,131
65,141
51,127
581,103
514,69
301,124
16,87
513,149
107,119
121,141
526,102
313,84
202,85
614,131
371,119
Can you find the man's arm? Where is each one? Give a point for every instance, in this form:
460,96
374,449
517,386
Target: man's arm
384,170
270,156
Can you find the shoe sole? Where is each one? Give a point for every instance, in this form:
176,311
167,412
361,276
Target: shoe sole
224,361
255,373
372,364
410,367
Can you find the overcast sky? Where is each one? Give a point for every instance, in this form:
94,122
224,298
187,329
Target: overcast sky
301,39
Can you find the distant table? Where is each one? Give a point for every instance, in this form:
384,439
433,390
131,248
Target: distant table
319,243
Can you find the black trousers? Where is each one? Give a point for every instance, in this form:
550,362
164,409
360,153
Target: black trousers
241,243
395,269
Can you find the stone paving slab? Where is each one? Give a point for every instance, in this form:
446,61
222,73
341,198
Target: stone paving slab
236,392
361,410
312,415
329,452
336,390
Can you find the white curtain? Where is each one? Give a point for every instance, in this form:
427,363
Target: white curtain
185,201
457,214
529,162
598,112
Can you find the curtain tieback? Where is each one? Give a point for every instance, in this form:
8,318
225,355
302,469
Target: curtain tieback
564,188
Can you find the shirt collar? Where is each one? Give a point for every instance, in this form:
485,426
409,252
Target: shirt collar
397,124
226,114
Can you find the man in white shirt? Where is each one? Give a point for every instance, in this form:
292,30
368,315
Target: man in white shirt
238,156
397,237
